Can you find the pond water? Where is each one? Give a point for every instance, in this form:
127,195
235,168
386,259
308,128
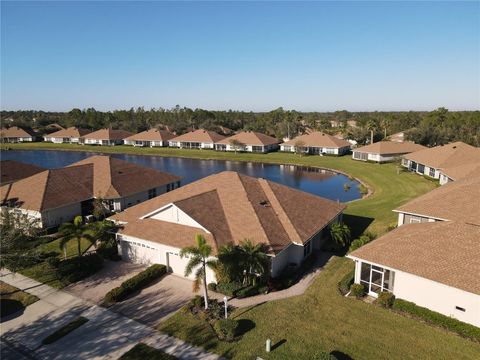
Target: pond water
320,182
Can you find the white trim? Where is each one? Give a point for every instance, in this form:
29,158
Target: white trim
424,216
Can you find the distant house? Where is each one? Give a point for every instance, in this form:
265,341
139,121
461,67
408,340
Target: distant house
431,161
385,151
317,143
15,134
227,208
106,137
11,170
69,135
198,139
53,127
150,138
249,141
58,195
397,137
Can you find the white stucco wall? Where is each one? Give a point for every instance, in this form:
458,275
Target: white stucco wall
54,217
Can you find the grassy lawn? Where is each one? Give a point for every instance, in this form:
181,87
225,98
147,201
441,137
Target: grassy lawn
142,352
390,189
65,330
13,299
322,319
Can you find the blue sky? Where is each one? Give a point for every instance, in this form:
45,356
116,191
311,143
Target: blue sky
322,56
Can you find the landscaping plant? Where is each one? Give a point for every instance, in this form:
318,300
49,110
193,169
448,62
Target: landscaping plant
357,290
226,329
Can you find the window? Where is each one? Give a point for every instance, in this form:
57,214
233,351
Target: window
307,249
415,220
421,168
360,155
375,278
168,187
257,148
431,173
178,184
287,148
404,162
152,193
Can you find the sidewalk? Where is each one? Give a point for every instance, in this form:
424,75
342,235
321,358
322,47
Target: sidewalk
107,335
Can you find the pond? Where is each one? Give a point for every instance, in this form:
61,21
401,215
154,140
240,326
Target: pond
319,182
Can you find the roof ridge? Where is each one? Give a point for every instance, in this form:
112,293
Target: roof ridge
44,188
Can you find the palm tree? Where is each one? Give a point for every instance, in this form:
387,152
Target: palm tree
228,268
254,259
371,126
340,233
75,231
199,255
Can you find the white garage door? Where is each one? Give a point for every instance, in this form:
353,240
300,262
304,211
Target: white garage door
140,253
177,264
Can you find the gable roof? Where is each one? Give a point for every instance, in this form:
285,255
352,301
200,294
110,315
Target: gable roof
234,207
12,170
462,171
318,139
107,134
251,138
203,136
445,252
390,147
152,135
14,132
71,132
453,154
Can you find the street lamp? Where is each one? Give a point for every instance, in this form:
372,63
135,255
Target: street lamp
226,306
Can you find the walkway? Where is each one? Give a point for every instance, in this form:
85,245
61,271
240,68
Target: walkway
107,335
294,290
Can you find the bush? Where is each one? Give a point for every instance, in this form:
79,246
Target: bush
357,290
392,226
247,291
365,238
386,299
197,302
65,330
229,289
346,282
263,289
432,317
108,250
212,286
53,262
216,310
135,283
78,268
226,329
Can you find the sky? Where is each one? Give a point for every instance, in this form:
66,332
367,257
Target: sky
254,56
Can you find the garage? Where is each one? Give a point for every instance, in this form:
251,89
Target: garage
140,253
176,264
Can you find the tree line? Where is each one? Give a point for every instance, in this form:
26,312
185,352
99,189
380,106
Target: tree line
428,128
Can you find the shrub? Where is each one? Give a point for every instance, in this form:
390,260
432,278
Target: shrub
392,226
212,286
365,238
108,250
114,295
54,262
226,329
263,289
229,289
65,330
362,189
216,310
432,317
357,290
385,299
247,291
346,282
75,269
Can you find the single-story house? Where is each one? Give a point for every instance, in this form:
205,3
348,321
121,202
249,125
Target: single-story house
430,161
107,137
58,195
150,138
198,139
398,137
249,141
11,170
227,208
317,143
15,134
455,173
384,151
69,135
434,265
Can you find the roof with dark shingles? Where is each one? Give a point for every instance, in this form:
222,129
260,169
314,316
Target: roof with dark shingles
12,170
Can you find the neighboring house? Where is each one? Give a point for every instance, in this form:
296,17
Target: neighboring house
227,208
459,172
150,138
15,134
56,196
249,141
54,127
385,151
11,170
107,137
317,143
398,137
69,135
430,161
198,139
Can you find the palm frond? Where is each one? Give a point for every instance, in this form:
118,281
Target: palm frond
192,264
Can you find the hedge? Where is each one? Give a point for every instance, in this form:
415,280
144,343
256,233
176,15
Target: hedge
65,330
142,351
229,289
346,282
432,317
135,283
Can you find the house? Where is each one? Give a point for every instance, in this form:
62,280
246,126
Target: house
108,137
430,161
197,139
58,195
14,134
249,141
459,172
317,143
11,170
227,208
53,127
398,137
68,136
384,151
150,138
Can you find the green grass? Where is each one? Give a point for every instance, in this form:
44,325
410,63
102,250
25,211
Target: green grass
391,189
14,299
65,330
143,352
322,319
71,247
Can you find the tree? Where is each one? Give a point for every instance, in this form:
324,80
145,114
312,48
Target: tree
299,147
199,259
340,233
100,209
254,261
75,231
371,126
227,267
236,144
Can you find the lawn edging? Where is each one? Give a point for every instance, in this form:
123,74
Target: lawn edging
64,330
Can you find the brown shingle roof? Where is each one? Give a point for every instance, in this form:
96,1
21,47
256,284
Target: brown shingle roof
71,132
14,132
454,154
152,135
108,134
462,171
390,148
445,252
203,136
251,138
234,207
318,139
458,200
12,170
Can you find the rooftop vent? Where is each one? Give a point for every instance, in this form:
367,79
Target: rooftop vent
265,203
